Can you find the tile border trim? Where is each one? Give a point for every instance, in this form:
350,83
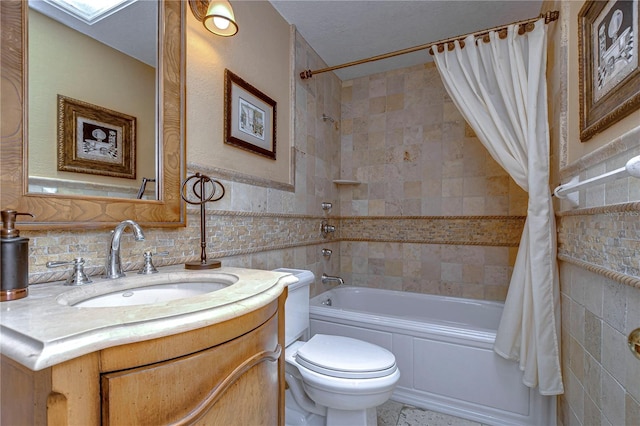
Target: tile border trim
51,276
611,208
497,231
213,212
497,217
607,273
438,242
218,173
622,209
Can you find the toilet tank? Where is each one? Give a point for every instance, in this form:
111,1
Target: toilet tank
296,308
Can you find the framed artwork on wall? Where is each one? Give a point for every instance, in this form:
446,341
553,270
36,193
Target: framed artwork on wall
249,117
609,75
95,140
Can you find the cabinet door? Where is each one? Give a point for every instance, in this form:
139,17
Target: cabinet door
235,383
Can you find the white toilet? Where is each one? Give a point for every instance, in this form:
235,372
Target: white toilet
332,380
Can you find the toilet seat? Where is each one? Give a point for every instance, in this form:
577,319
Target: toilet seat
344,357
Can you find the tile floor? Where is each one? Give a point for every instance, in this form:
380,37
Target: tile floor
393,413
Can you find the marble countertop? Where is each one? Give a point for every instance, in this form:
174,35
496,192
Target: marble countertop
43,329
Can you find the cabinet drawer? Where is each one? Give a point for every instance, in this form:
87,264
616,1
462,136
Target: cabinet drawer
232,383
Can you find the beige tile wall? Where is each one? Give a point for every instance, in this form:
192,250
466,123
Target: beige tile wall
601,375
477,272
607,237
599,245
404,139
428,184
612,156
598,248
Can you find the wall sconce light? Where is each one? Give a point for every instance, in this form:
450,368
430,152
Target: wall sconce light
216,16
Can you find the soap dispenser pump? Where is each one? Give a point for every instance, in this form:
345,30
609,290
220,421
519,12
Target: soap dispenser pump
14,259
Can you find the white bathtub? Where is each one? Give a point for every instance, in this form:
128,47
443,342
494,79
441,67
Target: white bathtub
443,347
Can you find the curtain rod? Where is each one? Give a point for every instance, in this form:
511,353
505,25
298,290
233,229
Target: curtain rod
548,17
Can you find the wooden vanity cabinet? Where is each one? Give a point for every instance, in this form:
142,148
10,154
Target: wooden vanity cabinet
231,373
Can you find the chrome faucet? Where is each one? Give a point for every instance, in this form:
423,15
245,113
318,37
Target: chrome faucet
113,267
328,278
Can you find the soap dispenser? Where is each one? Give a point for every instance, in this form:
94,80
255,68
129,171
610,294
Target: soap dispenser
14,259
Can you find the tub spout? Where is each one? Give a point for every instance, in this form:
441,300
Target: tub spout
328,278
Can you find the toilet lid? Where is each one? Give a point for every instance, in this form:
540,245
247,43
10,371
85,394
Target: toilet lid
344,357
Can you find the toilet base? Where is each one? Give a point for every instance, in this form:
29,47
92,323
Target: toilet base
296,416
366,417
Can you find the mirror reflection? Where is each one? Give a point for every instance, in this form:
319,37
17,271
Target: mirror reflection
92,88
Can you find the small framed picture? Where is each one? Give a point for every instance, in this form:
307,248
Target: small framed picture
609,75
95,140
249,117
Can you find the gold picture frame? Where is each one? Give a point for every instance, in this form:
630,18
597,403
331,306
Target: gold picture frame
95,140
249,117
609,75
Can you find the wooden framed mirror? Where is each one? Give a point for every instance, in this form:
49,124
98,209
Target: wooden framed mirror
56,211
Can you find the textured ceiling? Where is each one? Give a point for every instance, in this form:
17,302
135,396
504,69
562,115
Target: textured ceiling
345,31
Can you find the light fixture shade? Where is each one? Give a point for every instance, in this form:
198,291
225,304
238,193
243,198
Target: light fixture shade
220,19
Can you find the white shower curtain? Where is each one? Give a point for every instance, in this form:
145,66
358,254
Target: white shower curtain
500,89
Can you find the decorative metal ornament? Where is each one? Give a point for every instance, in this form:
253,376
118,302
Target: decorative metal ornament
198,190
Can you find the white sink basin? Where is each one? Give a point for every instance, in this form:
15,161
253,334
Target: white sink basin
151,294
146,290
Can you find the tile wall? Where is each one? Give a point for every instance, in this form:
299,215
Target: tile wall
405,140
602,377
428,189
599,249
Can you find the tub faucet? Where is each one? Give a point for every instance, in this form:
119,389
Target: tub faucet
328,278
113,267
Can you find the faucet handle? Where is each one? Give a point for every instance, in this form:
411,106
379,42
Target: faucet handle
78,277
325,228
148,267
